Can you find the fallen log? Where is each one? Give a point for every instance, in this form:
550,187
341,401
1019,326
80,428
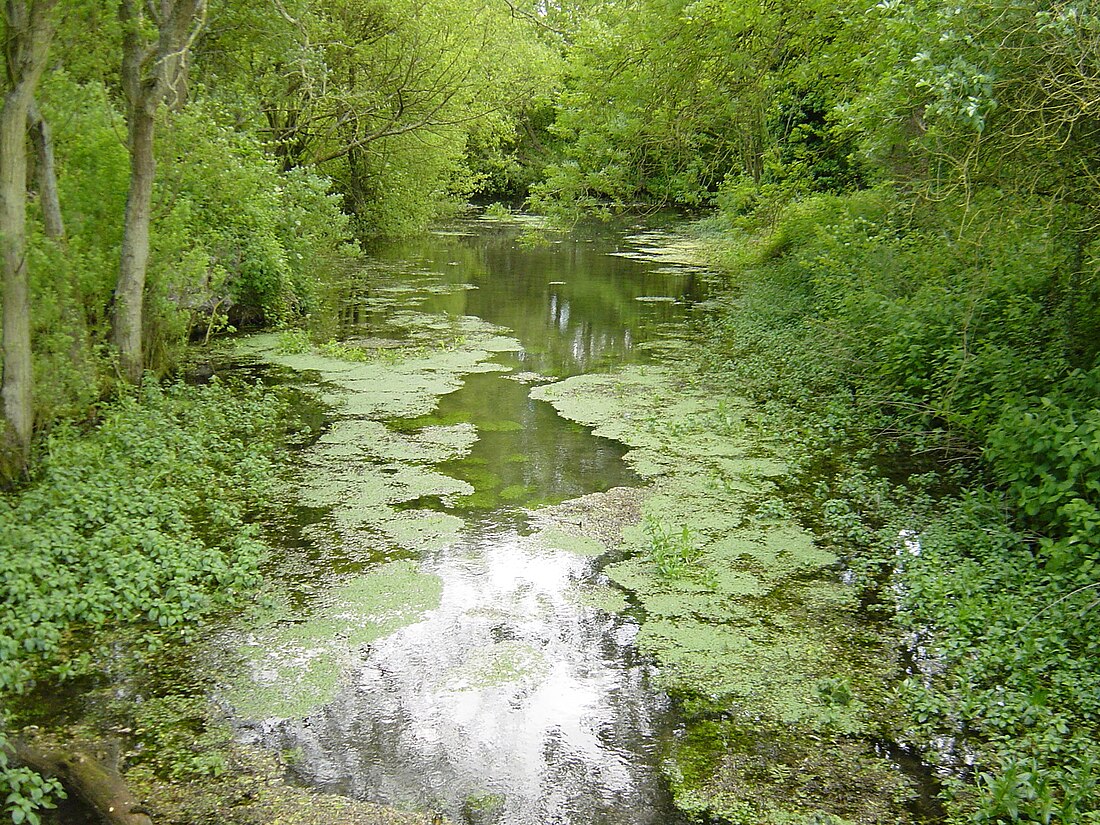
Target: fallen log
98,784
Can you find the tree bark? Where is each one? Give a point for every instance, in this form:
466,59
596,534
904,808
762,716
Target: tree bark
152,74
69,293
130,290
29,30
46,174
18,385
96,783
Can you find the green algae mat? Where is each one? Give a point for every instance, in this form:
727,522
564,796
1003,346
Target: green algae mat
782,684
365,477
784,688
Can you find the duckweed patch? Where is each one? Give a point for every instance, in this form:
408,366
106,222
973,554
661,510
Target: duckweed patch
366,470
295,664
571,541
744,611
422,529
367,476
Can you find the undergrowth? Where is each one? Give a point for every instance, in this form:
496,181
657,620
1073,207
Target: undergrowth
143,520
950,453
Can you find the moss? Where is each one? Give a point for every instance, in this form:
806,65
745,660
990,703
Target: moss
516,492
252,791
480,500
743,772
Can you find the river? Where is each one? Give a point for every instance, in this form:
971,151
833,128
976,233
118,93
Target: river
508,696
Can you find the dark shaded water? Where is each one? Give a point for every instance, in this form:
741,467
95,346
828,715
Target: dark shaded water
512,702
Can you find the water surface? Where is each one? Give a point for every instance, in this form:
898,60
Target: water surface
514,700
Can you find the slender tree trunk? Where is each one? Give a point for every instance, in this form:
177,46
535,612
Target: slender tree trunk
28,33
72,300
18,385
130,291
152,73
46,174
96,782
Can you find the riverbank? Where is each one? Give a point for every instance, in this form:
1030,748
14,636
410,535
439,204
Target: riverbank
948,476
136,535
152,531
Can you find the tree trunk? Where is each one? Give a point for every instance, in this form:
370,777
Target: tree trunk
72,300
152,74
18,384
96,783
46,173
29,31
130,291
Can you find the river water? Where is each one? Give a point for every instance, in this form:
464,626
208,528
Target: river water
571,727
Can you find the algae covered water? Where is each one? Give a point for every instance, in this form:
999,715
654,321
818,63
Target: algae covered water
451,647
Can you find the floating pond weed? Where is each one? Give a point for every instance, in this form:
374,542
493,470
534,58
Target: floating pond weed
743,610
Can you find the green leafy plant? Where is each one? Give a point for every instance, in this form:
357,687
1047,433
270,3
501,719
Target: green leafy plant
497,211
143,520
674,552
26,791
295,341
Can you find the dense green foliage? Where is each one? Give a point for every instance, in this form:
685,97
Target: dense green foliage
147,518
905,196
907,207
283,131
296,126
235,241
681,103
143,520
959,388
388,99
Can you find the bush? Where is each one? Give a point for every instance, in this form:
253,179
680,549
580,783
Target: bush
239,233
